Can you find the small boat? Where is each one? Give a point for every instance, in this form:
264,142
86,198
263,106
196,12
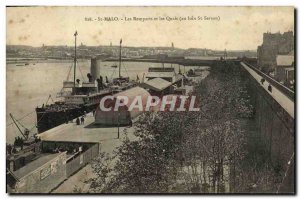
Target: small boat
114,66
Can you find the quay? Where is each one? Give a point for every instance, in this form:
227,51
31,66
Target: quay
176,60
65,150
106,137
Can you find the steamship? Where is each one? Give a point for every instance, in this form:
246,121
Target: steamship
80,98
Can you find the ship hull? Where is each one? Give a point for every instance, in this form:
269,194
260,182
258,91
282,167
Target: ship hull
49,119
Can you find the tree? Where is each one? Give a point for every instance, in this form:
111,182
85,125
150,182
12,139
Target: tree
190,151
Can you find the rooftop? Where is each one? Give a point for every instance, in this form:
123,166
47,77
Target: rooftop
133,92
156,84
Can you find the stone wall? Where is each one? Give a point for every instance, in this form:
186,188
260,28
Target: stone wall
275,128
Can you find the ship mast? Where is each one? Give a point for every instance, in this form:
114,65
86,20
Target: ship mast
120,58
75,59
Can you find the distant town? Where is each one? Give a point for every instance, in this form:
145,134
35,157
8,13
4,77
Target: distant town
83,51
274,57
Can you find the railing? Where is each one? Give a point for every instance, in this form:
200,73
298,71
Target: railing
285,90
63,94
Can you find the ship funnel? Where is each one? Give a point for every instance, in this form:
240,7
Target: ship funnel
95,68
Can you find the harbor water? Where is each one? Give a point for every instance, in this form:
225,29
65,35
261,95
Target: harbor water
30,85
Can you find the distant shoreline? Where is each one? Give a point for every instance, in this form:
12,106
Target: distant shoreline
187,61
39,60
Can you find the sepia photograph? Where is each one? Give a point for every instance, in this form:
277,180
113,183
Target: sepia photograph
150,100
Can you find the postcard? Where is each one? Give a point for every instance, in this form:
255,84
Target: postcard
150,100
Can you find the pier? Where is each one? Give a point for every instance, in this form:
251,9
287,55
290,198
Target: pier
180,61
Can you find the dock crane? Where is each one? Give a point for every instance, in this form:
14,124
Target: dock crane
25,134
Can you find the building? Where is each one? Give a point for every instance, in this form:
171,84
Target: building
157,86
62,158
123,116
284,71
39,176
167,74
273,44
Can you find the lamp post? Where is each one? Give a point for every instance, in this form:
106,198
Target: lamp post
118,124
75,58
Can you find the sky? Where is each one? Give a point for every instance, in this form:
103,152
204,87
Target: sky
236,28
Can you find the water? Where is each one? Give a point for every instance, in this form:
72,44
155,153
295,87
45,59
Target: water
29,86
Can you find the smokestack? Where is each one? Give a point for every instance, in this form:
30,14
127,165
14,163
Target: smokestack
95,68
